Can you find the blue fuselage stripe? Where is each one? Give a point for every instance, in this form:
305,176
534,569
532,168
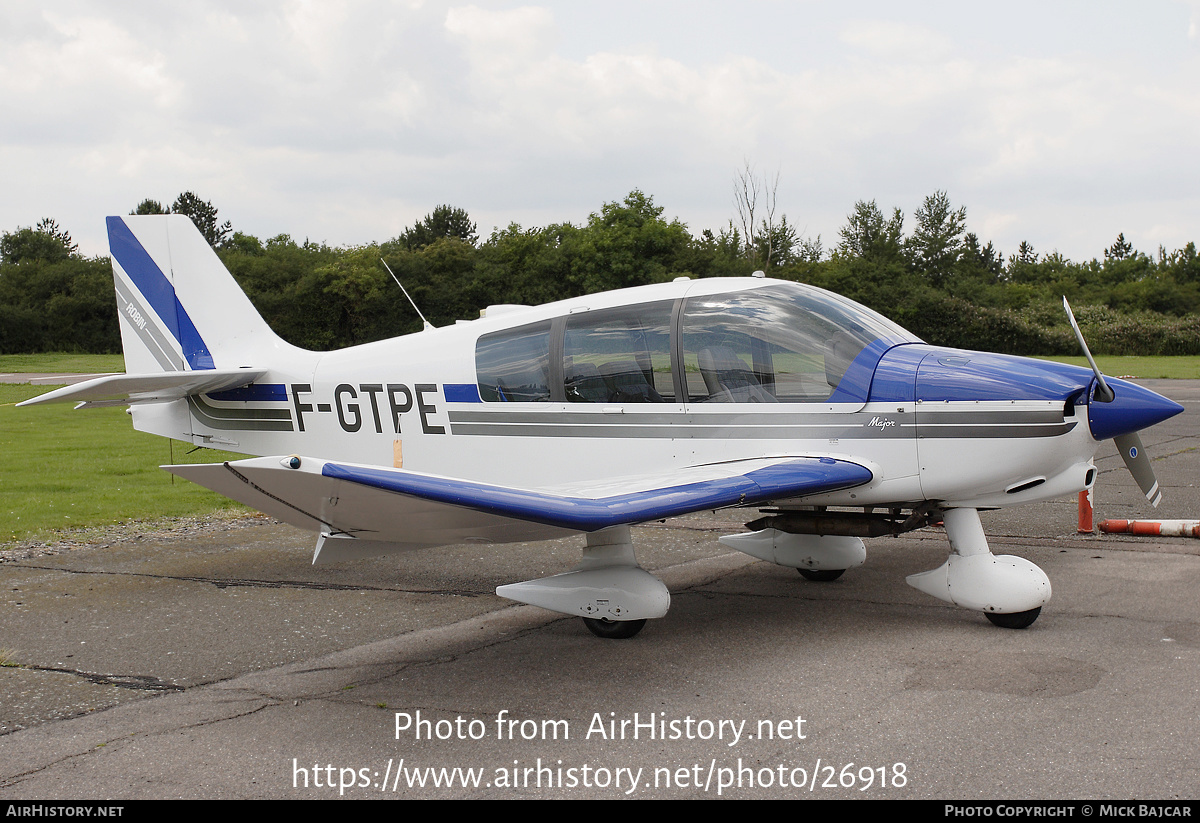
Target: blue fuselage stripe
257,392
461,393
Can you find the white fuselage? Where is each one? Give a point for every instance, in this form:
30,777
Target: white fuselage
407,402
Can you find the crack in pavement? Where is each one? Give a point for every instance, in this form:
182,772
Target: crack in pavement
230,582
137,682
16,779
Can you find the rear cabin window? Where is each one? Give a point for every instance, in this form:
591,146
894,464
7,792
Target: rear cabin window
514,366
620,355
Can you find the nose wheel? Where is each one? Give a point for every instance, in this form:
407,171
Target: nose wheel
613,629
1008,589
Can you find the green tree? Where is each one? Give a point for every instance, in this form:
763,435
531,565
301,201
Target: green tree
936,241
976,273
1183,264
245,243
982,261
529,266
204,215
149,206
628,244
777,243
355,285
443,281
60,305
444,221
46,242
867,235
718,255
281,284
810,250
1025,256
1119,250
754,196
869,264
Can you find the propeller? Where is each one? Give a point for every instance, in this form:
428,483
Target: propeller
1138,463
1129,443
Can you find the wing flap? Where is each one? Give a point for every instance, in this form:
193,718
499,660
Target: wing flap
126,389
418,509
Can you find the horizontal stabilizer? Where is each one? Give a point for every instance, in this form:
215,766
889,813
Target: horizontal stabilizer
406,507
126,389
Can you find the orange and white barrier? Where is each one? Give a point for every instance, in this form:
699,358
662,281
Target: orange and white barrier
1085,511
1153,528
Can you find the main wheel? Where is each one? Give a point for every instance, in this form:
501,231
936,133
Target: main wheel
821,575
613,629
1014,620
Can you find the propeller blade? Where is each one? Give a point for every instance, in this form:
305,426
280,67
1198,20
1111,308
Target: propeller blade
1138,462
1103,393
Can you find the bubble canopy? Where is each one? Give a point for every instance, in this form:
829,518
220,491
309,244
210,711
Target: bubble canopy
778,343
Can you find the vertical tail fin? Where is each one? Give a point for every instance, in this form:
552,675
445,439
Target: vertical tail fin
196,350
180,308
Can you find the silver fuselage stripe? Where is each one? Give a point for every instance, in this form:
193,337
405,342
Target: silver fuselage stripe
152,338
815,426
248,419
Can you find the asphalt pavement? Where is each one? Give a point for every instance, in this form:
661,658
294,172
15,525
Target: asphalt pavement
213,661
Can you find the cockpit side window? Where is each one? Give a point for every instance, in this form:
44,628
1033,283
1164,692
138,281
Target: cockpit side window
514,365
771,345
620,355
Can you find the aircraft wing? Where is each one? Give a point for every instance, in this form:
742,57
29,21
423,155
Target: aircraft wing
124,389
410,509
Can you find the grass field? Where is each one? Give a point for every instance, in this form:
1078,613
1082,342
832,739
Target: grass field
66,469
1180,368
62,363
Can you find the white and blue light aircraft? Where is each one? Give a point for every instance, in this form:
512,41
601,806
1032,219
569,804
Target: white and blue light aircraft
592,414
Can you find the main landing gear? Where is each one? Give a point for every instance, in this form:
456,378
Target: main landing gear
613,629
818,558
1016,620
615,597
1008,589
608,589
821,575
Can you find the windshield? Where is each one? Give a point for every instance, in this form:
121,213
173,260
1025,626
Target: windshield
778,344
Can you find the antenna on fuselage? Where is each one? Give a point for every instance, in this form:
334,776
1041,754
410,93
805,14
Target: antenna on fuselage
412,302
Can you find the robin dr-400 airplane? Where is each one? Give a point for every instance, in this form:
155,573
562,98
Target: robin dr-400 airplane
595,413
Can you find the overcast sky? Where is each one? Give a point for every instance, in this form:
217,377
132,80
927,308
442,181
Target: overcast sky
344,122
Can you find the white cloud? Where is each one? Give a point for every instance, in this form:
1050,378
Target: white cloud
346,121
500,39
894,41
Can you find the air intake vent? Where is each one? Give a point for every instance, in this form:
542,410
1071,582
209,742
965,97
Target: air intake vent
1028,484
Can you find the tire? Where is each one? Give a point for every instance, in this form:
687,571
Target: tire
821,575
1014,620
613,629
